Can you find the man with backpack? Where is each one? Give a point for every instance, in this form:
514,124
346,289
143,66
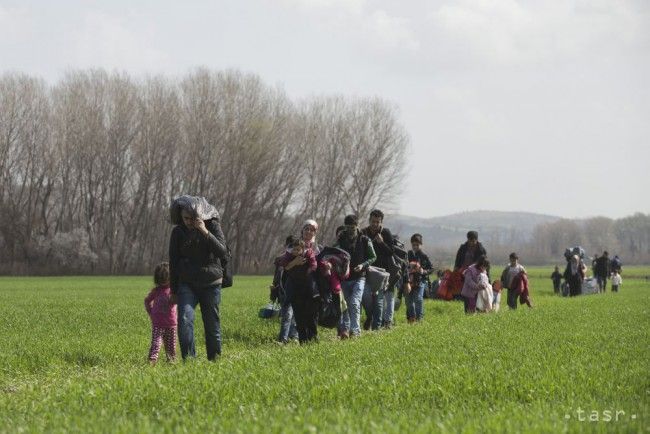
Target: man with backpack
362,255
382,242
197,253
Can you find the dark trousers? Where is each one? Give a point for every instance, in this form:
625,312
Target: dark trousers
575,285
556,286
209,299
305,310
469,304
602,283
512,298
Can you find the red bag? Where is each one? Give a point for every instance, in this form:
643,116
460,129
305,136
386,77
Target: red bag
456,281
443,291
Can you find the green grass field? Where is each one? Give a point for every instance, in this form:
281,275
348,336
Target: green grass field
73,359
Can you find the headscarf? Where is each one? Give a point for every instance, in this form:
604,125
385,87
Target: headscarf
310,244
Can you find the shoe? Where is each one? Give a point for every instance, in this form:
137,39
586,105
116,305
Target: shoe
344,335
366,324
410,320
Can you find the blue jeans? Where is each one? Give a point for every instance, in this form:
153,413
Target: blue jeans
209,298
373,304
352,292
415,302
288,328
389,306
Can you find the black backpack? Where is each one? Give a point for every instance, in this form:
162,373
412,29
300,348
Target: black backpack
226,266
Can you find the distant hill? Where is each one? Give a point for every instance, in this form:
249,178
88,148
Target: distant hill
494,227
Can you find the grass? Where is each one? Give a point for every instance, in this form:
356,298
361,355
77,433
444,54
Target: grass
74,352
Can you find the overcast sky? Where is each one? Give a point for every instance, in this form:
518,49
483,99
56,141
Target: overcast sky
540,106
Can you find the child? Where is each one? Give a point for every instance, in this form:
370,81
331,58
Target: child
617,280
419,269
299,265
557,280
474,275
162,312
513,269
288,328
485,294
496,300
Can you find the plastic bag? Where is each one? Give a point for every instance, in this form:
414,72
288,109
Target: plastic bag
271,310
198,206
377,279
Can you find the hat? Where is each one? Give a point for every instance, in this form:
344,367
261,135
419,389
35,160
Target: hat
310,222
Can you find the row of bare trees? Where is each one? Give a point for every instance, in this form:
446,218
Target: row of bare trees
89,165
628,237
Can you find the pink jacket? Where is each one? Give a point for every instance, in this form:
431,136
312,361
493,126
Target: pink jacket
159,308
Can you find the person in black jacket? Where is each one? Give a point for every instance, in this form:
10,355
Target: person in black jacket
362,255
196,248
602,270
469,252
382,242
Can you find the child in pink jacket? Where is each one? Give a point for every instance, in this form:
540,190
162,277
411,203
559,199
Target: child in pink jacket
162,311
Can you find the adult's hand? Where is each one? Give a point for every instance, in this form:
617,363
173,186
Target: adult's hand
379,238
200,225
358,268
298,260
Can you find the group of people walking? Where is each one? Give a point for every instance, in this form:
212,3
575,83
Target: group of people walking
305,271
367,268
575,273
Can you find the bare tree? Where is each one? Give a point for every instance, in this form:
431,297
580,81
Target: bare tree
95,160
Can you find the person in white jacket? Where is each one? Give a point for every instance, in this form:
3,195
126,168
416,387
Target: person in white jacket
485,295
617,281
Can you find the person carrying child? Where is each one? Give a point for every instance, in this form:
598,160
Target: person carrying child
299,265
419,269
162,311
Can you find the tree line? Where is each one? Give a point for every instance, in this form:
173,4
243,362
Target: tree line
90,164
628,237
